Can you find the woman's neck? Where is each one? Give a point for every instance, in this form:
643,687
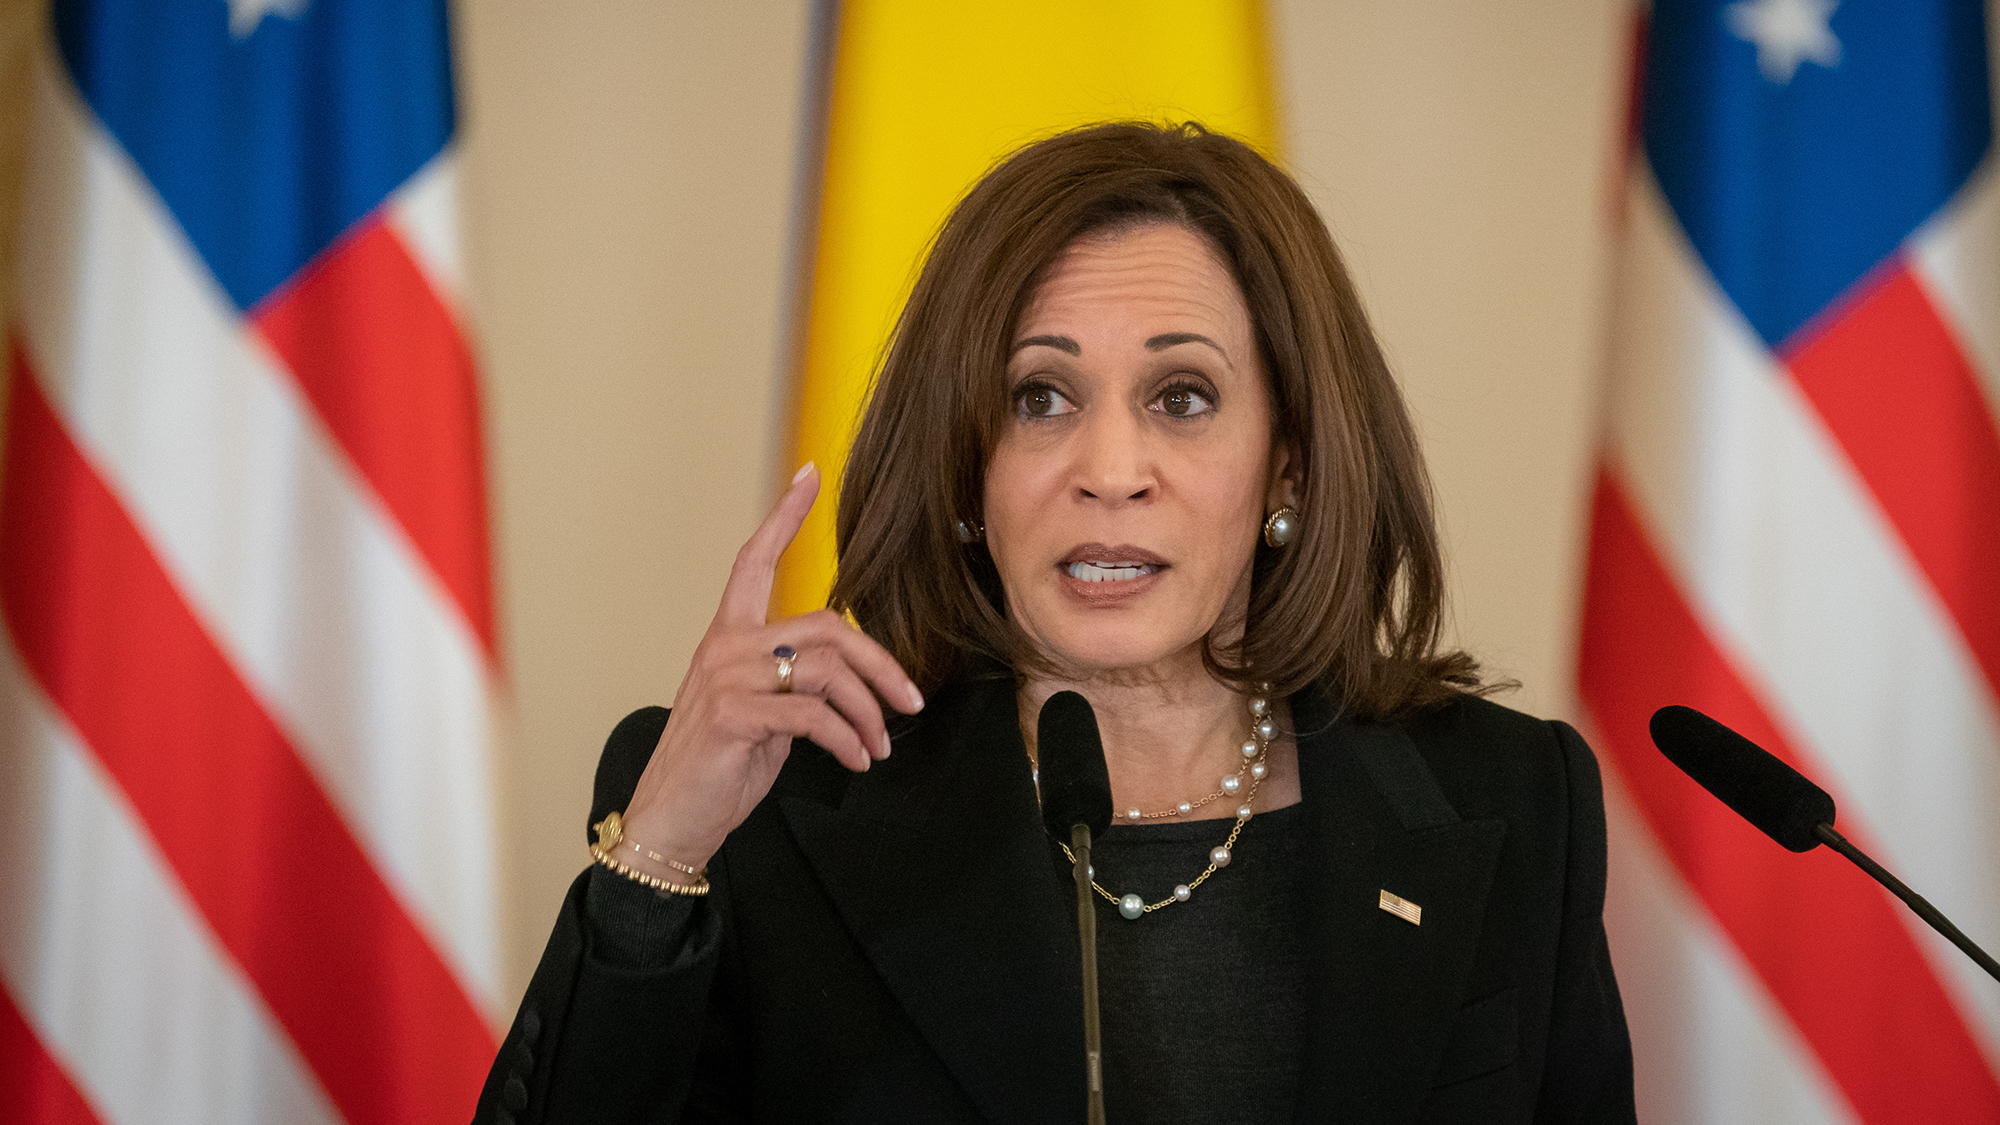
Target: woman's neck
1170,734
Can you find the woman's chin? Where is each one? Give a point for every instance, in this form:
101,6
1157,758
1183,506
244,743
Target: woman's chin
1090,653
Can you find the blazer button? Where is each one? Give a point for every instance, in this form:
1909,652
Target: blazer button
531,1026
515,1093
524,1059
503,1118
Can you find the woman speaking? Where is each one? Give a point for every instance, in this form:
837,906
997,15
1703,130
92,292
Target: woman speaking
1133,438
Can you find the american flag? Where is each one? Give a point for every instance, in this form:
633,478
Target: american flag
1796,529
245,821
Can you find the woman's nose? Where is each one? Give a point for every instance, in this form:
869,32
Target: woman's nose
1113,464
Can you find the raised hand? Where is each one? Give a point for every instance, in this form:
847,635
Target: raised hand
732,727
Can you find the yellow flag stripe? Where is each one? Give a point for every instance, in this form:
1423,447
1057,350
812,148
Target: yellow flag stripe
924,97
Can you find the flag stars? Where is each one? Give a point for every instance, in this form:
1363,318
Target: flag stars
1786,32
245,16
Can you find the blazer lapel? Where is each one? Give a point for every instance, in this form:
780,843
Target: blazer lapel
1386,992
938,863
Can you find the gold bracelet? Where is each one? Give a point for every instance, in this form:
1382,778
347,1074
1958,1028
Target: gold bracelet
611,833
611,830
698,887
656,857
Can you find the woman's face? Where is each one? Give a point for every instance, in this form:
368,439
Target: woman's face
1125,497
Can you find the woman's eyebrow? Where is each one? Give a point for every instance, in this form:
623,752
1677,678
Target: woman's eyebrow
1059,343
1157,343
1169,339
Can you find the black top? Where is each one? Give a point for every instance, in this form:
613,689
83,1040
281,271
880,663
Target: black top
634,926
1203,1002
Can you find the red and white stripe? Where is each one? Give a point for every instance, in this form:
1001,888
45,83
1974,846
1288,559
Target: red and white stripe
248,667
1804,545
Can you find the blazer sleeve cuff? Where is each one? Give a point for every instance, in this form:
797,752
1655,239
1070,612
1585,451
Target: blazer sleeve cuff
612,1022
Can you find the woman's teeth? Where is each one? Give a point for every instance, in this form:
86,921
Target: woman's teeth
1110,572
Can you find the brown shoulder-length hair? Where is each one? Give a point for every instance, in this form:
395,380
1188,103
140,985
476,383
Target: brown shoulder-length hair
1354,602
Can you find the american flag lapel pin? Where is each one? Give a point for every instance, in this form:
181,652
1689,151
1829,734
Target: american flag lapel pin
1403,908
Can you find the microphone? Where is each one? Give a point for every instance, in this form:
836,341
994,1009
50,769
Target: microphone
1076,786
1076,805
1743,775
1782,803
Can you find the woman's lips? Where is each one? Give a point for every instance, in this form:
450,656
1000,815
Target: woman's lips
1110,571
1098,574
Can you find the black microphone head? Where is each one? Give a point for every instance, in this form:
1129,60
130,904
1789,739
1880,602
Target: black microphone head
1743,775
1076,787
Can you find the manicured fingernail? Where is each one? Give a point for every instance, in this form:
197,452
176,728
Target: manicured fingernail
801,474
885,745
916,700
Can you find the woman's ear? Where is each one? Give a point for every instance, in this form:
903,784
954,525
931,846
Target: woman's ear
1285,477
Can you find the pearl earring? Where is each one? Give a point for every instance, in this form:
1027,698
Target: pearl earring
970,531
1281,525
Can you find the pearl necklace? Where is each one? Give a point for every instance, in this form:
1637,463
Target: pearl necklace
1255,748
1256,751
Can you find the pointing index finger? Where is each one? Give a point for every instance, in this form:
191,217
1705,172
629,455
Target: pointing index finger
746,599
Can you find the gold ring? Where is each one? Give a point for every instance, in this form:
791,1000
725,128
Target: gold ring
784,654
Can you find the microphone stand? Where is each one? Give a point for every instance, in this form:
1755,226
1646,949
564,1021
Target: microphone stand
1912,899
1086,923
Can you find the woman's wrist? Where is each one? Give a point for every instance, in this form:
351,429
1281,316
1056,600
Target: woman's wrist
632,858
665,832
646,859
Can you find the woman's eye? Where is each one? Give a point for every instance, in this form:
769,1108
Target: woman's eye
1043,402
1184,402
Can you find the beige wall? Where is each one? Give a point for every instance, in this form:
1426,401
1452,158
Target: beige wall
630,175
1459,151
631,183
629,192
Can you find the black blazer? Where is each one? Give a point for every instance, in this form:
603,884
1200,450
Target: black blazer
898,946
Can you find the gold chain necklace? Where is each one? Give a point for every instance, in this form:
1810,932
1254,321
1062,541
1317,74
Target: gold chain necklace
1256,752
